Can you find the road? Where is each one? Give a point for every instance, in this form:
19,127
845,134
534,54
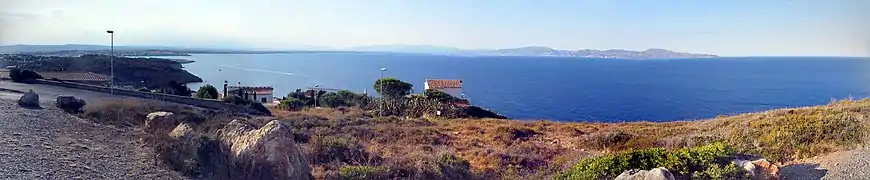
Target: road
48,93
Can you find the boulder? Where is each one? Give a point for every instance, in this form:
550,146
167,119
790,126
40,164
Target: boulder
746,165
759,169
270,151
653,174
183,132
160,122
765,170
70,103
29,99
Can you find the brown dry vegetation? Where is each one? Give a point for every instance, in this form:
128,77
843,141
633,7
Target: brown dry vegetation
351,143
539,149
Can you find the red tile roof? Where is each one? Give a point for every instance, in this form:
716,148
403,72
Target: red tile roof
444,83
72,76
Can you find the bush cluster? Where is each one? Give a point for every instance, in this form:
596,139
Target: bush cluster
232,99
704,162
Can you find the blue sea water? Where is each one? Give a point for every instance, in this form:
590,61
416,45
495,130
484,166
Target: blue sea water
567,89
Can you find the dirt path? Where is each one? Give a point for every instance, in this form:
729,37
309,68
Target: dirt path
852,164
50,144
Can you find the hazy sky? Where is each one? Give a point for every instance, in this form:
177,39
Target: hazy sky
724,27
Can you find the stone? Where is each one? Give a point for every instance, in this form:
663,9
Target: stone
29,99
270,149
746,165
70,103
160,123
653,174
183,132
765,170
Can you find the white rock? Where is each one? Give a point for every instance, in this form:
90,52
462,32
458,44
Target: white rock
271,146
160,122
653,174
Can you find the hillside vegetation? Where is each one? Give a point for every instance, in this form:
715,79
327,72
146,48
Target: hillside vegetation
350,143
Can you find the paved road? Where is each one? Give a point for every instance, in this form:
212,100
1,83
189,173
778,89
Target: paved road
47,93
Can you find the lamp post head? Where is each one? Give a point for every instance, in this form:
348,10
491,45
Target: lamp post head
110,31
383,69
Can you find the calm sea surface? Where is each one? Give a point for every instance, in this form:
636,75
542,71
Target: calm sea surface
567,89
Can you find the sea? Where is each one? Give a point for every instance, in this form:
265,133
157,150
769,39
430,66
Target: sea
565,89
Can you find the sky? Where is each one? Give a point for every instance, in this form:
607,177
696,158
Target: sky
722,27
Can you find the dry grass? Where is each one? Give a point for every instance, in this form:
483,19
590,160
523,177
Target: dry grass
538,149
350,142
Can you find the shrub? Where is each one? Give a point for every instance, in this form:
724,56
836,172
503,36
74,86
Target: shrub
232,99
438,96
292,104
19,75
704,162
207,92
362,172
799,134
332,100
325,149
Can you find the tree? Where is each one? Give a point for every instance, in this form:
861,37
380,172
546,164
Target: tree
392,87
207,92
177,89
332,100
438,96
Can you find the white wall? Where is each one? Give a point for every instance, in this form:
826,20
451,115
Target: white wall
455,92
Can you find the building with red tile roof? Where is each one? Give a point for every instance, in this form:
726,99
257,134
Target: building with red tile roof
449,86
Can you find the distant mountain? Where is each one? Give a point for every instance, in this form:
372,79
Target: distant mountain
423,49
77,49
535,51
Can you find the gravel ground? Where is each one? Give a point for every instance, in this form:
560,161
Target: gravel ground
852,164
50,144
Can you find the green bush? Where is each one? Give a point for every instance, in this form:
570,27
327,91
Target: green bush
292,104
704,162
362,173
438,96
232,99
207,92
332,100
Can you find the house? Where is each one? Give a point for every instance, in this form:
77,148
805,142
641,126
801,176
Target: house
76,77
449,86
262,94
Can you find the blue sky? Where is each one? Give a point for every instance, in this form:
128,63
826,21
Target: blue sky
726,27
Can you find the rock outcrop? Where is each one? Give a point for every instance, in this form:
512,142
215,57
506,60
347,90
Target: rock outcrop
759,169
269,151
70,103
653,174
29,99
160,122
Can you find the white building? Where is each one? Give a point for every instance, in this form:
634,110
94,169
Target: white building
449,86
262,94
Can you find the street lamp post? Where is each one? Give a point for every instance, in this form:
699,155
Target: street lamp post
316,92
382,72
112,61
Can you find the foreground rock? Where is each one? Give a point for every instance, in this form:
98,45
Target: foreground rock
29,99
269,152
70,103
759,169
653,174
160,122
